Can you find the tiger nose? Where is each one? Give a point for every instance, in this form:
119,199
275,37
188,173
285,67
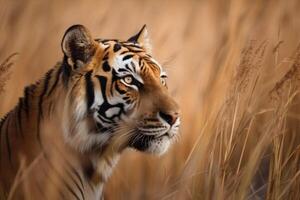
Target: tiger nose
170,118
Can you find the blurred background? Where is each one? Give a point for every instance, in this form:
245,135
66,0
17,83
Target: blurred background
234,68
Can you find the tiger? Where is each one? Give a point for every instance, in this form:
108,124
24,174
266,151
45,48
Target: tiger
66,134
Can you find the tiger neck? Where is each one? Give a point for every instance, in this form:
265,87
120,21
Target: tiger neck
38,116
96,166
40,103
21,128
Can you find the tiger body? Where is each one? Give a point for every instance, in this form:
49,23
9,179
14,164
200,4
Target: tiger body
66,134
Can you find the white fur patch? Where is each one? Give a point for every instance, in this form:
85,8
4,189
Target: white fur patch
98,100
81,139
159,146
77,133
80,109
107,169
112,111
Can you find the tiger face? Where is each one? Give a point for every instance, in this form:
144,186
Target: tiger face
116,89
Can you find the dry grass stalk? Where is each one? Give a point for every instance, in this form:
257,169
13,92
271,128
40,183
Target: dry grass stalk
235,130
5,71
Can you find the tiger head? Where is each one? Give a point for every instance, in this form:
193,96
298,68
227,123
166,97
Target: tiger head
116,89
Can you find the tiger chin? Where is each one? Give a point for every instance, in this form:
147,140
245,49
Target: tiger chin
105,96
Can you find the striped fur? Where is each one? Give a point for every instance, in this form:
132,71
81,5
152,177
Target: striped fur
66,134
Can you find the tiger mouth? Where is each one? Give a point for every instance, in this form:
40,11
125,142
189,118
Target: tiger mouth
156,133
143,142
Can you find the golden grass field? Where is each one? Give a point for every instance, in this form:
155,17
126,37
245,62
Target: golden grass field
234,67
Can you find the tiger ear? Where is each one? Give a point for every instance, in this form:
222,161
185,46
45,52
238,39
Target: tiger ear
142,38
78,46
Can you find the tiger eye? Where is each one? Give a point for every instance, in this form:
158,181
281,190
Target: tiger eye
163,81
128,79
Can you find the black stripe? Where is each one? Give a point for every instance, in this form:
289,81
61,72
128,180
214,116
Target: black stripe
19,117
114,78
102,81
137,83
124,52
105,57
70,189
106,48
2,121
16,122
76,174
136,51
89,87
26,100
55,82
40,103
117,47
133,66
128,101
122,69
105,105
1,125
45,88
125,70
127,67
104,40
128,57
106,67
66,69
132,45
7,141
76,184
63,181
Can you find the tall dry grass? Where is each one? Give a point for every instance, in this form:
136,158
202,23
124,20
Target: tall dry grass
234,67
5,71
